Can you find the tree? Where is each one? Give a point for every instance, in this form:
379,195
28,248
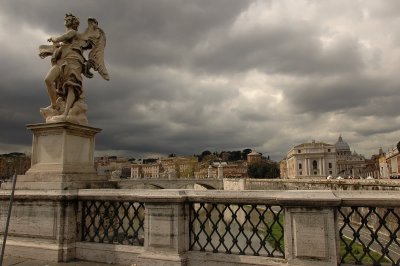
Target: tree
245,152
398,146
204,154
150,160
263,169
235,155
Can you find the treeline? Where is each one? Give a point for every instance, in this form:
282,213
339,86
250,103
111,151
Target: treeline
263,169
224,155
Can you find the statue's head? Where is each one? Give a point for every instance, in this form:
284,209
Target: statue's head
71,21
92,21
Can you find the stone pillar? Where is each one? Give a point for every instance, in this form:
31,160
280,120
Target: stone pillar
210,172
166,234
311,231
321,167
220,171
43,224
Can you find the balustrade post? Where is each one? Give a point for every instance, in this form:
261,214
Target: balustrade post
166,233
311,228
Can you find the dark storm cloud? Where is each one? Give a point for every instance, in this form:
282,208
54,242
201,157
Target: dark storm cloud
140,33
218,74
340,94
291,48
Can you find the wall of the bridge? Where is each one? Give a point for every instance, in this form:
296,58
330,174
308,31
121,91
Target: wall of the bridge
183,227
321,184
260,184
169,183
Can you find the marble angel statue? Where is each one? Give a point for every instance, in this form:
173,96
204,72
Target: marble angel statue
64,79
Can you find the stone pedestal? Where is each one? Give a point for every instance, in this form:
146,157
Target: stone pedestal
44,215
62,158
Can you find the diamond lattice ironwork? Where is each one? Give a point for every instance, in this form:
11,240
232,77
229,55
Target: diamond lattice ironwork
370,235
113,222
245,229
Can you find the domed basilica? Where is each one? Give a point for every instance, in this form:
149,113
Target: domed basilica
348,163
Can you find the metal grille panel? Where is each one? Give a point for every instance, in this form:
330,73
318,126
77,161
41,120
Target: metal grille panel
113,222
369,235
244,229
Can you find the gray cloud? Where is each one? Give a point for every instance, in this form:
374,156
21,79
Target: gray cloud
291,48
217,74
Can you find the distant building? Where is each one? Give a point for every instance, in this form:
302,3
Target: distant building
393,162
170,167
383,165
136,171
237,169
348,163
371,169
254,157
152,170
179,167
103,170
311,160
187,166
205,170
105,165
283,168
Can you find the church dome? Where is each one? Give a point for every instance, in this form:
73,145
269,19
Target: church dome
342,145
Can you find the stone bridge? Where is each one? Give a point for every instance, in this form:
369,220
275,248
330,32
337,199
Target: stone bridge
257,184
150,183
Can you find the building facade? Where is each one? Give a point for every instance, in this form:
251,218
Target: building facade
152,170
235,170
393,163
311,160
254,157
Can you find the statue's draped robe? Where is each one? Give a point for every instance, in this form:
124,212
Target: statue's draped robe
69,58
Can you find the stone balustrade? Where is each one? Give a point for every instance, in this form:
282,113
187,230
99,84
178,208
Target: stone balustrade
320,184
189,227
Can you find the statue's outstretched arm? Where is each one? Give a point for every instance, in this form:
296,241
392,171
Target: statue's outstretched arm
65,37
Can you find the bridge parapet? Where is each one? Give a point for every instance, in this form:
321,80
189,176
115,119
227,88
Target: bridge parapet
321,184
188,227
161,183
260,184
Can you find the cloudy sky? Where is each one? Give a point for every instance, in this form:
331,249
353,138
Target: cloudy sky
191,75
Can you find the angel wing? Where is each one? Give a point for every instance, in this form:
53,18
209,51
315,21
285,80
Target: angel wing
96,39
